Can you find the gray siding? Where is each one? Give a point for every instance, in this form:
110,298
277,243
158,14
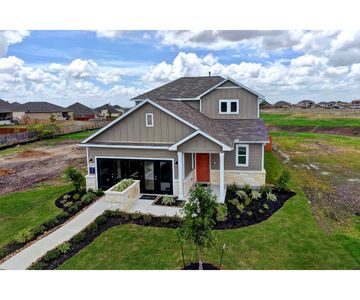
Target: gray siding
255,157
132,128
199,144
188,164
228,83
248,103
137,153
193,103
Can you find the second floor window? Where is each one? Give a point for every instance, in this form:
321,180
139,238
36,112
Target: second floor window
229,106
149,120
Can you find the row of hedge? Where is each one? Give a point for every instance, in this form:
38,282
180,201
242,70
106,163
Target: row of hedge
27,236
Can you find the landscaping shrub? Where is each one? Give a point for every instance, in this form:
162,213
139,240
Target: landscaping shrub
24,236
247,201
233,187
147,218
271,197
38,230
93,227
74,208
76,196
61,217
64,247
51,223
88,197
38,266
100,220
113,213
80,237
167,200
249,213
76,177
221,213
265,206
51,255
247,188
165,219
99,193
136,215
265,189
283,181
261,211
255,195
123,185
241,194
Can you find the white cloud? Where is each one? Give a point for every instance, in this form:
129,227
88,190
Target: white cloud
110,34
78,68
108,77
9,37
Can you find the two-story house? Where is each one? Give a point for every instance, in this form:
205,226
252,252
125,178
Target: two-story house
193,129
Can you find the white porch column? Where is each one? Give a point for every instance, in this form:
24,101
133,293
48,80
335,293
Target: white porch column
181,175
222,181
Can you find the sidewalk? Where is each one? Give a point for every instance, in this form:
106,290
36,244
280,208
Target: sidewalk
26,257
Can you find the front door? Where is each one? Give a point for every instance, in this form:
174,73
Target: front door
202,167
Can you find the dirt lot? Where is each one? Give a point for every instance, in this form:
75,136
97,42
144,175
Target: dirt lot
349,131
28,168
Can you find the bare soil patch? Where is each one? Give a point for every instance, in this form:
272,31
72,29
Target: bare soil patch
34,166
348,131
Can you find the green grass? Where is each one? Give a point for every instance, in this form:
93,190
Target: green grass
25,210
308,120
290,239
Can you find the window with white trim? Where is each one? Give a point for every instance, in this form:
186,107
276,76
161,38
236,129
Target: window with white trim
149,120
228,106
242,155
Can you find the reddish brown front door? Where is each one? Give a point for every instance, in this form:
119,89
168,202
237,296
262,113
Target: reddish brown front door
202,167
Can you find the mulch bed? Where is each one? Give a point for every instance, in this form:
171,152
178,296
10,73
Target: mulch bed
237,220
177,203
195,266
60,204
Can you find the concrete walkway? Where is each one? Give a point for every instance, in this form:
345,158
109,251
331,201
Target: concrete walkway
147,207
26,257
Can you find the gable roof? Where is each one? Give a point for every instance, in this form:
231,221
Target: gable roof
182,88
110,108
5,106
222,132
81,109
41,107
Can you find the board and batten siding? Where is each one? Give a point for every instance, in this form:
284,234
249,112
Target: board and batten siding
248,103
199,144
255,159
132,128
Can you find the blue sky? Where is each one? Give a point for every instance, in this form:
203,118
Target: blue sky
97,67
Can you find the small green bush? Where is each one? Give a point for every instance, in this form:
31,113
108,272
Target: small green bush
248,201
123,185
165,219
283,181
51,223
64,247
93,227
147,218
221,213
66,197
241,194
167,200
74,208
249,213
67,204
99,193
76,177
80,237
136,215
61,217
113,213
40,265
261,211
88,197
51,255
76,196
255,195
24,236
271,197
247,188
265,206
38,230
265,189
100,220
232,187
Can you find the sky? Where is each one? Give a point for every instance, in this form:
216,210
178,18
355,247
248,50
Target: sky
108,66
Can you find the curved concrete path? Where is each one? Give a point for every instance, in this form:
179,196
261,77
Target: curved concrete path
27,256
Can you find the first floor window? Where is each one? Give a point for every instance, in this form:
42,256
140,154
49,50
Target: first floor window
149,120
242,155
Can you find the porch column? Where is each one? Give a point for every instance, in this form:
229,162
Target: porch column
180,175
222,181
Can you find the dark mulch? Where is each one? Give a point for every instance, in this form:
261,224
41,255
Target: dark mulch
177,203
60,203
254,213
195,266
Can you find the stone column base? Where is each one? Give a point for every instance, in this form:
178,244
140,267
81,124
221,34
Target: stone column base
253,178
90,182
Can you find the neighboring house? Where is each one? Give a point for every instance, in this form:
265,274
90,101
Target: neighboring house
306,104
5,112
193,129
108,110
282,104
40,111
265,105
355,104
82,112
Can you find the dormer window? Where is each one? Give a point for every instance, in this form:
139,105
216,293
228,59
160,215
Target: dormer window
149,120
229,106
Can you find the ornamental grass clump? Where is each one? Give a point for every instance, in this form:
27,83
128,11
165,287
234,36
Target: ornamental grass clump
123,185
241,194
167,200
255,195
197,225
271,197
24,236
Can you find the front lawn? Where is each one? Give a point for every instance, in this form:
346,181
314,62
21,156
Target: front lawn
290,239
25,210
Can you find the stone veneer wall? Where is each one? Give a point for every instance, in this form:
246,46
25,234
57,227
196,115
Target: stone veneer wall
90,182
253,178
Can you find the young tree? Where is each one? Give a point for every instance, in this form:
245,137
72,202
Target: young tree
77,178
198,222
52,118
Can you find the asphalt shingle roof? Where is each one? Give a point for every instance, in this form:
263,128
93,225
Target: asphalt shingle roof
182,88
41,107
5,106
81,109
